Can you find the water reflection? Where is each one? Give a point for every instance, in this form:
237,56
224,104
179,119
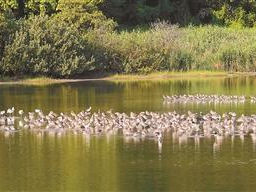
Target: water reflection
75,161
217,143
197,143
127,96
253,137
183,140
39,161
160,146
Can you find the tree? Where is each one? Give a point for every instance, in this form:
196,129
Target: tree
83,14
21,8
234,13
8,26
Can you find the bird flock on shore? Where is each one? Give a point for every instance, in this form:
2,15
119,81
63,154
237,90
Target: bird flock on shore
202,98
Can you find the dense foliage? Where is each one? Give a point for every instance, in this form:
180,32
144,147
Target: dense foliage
44,47
237,13
168,48
64,38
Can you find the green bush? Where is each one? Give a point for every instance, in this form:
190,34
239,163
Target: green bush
8,26
237,14
46,47
83,15
138,51
181,61
42,46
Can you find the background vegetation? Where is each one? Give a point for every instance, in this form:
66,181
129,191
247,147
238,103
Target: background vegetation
63,38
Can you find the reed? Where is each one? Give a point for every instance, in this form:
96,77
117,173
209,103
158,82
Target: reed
164,47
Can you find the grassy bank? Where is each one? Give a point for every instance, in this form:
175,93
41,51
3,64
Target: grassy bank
170,75
157,76
44,48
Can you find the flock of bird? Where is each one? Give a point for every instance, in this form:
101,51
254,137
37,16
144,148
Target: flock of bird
143,124
202,98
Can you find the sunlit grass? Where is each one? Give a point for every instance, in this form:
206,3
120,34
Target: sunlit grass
155,76
30,81
169,75
39,80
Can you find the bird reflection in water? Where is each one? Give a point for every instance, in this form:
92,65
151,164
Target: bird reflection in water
217,143
253,136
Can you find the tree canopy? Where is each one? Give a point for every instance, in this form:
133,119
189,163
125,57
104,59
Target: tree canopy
241,13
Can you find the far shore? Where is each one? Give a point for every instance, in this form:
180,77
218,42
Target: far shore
157,76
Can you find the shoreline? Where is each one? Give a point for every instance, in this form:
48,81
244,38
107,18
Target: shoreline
128,77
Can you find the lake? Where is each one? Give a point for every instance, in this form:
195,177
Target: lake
75,162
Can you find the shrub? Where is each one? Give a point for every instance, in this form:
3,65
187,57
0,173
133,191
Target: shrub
7,27
44,47
236,14
181,61
138,51
83,15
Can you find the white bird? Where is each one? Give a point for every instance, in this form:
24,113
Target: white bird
21,112
89,109
10,111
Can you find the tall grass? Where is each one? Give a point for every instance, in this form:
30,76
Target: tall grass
168,48
218,48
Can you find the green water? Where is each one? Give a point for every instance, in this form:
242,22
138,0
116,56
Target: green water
70,162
